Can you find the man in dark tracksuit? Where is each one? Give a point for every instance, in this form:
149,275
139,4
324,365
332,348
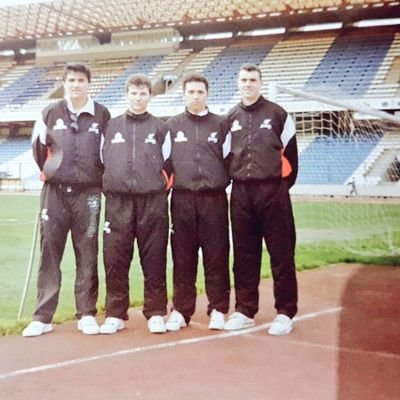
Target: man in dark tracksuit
263,165
199,208
66,147
135,146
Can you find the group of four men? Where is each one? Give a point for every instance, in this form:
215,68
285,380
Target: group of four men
135,159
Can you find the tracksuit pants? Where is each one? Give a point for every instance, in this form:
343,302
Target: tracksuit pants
262,210
200,220
145,218
65,208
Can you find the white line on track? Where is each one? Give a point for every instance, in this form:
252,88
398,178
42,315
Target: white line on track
341,349
141,349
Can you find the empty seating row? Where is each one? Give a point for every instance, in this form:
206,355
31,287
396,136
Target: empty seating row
115,92
331,160
11,148
222,71
307,64
352,63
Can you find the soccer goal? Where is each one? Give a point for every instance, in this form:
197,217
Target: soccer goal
348,186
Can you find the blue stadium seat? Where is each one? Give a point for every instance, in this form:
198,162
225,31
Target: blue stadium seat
11,148
27,87
222,71
115,92
32,93
350,65
331,160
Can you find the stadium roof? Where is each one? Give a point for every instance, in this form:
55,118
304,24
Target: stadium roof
45,19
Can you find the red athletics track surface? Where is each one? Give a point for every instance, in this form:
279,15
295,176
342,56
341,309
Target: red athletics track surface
345,346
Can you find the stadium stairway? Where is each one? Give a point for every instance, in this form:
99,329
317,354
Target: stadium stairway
292,61
172,102
373,170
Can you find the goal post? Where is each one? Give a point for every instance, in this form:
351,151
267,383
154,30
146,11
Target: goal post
348,185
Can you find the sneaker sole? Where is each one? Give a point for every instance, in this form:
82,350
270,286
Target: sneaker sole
216,327
175,329
89,332
104,331
244,326
280,333
45,330
157,330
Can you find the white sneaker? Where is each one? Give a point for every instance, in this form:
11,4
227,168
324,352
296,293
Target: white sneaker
36,328
88,325
156,324
175,321
237,320
281,325
112,325
217,321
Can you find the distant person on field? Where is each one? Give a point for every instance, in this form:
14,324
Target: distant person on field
199,206
135,147
66,147
263,166
353,187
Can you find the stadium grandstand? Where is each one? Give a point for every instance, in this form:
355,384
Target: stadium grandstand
333,64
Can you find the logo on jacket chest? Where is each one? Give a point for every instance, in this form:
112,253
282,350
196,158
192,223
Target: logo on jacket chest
266,124
151,138
59,125
213,137
94,128
118,138
236,126
180,137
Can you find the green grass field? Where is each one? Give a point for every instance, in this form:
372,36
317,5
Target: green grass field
327,233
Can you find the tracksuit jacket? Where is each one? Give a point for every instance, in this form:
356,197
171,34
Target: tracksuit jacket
263,143
199,209
263,166
67,151
196,152
135,186
132,154
69,157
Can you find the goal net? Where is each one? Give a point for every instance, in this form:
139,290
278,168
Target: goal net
347,193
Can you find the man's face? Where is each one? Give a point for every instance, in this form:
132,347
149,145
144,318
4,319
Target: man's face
76,85
138,98
195,96
250,84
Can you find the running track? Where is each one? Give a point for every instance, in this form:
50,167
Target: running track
345,346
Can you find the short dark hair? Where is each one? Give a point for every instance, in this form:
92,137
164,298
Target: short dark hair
251,67
77,67
194,77
138,80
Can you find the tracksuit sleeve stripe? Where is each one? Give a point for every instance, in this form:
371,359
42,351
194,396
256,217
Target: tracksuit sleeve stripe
101,148
166,147
39,131
226,147
289,130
